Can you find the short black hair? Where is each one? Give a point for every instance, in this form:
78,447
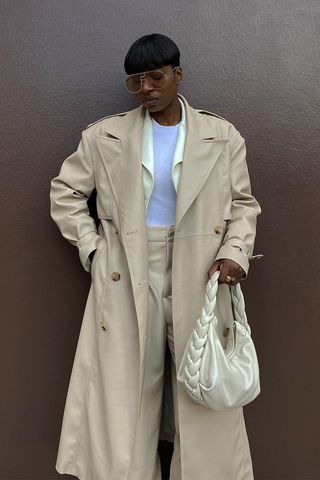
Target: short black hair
151,51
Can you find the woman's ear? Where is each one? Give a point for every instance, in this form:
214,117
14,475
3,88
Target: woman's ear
179,72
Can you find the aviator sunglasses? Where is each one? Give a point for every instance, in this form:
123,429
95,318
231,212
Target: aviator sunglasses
156,79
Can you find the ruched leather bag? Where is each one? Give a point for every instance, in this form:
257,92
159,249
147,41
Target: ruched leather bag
215,377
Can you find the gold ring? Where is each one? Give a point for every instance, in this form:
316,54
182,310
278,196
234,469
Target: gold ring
230,279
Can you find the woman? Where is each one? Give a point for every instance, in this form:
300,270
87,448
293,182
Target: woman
174,203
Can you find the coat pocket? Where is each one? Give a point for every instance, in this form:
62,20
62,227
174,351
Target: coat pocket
99,250
99,273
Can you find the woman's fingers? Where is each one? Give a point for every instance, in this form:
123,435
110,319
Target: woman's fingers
230,271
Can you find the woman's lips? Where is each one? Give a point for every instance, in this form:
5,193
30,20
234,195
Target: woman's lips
149,101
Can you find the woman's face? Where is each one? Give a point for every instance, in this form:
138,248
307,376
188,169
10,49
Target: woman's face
157,100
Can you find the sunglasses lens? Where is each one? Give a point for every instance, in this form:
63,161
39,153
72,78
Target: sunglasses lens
133,83
156,79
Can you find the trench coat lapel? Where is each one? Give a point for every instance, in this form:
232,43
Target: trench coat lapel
201,152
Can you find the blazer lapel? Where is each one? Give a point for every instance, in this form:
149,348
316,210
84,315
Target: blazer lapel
148,153
178,152
147,156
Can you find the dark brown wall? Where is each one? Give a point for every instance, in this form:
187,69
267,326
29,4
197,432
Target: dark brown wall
254,62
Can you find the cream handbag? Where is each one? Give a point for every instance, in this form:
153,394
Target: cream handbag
215,377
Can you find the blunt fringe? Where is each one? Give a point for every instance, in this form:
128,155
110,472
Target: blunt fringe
150,52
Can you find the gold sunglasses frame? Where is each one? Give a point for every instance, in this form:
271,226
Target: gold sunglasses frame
142,78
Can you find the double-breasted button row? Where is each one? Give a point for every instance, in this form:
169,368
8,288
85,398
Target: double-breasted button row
103,324
218,229
226,331
115,276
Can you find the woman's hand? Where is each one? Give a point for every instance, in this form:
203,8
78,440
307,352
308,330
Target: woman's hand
230,271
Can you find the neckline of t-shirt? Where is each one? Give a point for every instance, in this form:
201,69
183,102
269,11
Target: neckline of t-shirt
155,123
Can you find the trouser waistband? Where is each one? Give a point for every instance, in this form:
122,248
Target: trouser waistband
158,233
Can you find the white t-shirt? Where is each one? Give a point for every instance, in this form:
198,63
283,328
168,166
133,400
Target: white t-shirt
162,204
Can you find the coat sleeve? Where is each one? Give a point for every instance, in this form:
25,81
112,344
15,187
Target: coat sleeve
69,194
240,233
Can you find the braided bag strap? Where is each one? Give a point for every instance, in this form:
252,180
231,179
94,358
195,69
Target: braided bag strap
239,306
200,333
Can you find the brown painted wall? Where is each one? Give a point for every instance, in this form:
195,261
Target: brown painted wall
254,62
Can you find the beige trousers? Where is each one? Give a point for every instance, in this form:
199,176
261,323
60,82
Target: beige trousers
145,464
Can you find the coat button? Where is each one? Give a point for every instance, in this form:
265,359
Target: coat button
115,276
103,324
218,229
226,331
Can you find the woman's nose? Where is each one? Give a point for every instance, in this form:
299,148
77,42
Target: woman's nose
145,87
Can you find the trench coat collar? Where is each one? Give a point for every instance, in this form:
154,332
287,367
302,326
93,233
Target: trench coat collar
132,122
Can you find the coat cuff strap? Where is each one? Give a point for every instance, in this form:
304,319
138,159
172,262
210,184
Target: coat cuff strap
235,254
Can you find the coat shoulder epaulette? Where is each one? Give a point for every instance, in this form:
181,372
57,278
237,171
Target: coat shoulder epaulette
206,112
122,114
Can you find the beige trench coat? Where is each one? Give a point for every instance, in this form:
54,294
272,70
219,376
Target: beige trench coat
215,218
